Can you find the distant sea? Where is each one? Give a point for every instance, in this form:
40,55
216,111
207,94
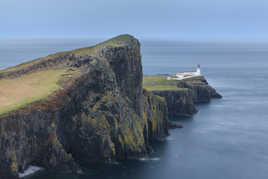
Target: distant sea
227,139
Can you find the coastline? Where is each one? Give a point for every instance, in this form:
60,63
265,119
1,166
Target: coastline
102,108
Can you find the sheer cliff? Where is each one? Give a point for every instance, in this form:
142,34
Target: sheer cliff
181,95
96,112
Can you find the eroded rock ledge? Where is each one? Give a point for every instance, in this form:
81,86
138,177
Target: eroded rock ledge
181,95
181,103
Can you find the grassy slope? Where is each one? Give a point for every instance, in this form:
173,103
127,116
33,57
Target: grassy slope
93,51
160,83
18,92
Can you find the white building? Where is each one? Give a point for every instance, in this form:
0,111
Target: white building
185,75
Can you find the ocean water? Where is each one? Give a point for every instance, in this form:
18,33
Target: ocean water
228,138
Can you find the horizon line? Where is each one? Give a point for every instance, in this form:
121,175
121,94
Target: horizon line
141,38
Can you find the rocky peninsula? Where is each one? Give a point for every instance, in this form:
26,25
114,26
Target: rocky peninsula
90,105
181,95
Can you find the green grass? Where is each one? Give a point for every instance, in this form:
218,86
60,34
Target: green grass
92,51
160,83
19,105
19,92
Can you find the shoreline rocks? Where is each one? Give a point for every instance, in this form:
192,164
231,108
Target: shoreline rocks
172,125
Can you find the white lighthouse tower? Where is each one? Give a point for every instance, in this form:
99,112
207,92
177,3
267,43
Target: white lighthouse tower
198,70
186,75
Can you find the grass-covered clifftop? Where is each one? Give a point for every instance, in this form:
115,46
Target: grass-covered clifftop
78,107
20,86
28,88
118,41
160,83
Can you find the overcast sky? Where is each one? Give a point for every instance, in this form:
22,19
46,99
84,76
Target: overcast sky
172,19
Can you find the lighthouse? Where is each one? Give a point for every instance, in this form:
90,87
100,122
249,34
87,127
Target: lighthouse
198,70
186,75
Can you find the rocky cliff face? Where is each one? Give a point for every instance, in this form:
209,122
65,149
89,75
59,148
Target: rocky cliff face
202,92
192,91
100,116
180,103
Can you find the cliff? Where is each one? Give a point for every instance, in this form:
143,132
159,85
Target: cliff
181,96
78,107
90,105
201,91
180,103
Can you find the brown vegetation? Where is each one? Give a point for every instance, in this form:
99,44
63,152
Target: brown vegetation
18,92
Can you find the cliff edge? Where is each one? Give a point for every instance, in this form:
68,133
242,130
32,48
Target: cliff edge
181,95
78,107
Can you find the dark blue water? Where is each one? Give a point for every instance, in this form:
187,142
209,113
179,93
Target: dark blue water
228,138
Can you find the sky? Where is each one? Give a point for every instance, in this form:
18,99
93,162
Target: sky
152,19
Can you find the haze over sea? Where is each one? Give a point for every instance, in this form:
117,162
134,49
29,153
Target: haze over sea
228,138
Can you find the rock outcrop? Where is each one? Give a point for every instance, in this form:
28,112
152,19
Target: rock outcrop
181,103
101,115
201,90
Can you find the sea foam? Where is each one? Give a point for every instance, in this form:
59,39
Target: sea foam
29,171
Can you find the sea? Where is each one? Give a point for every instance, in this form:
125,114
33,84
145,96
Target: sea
226,139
